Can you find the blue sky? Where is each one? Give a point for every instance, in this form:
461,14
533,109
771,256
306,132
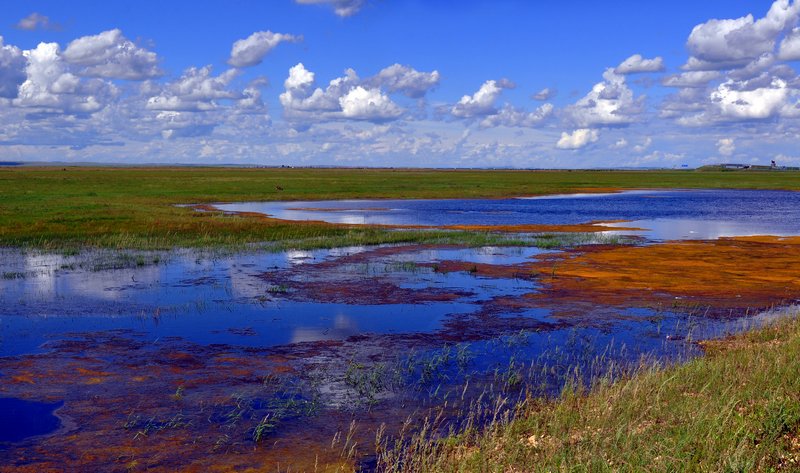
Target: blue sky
401,83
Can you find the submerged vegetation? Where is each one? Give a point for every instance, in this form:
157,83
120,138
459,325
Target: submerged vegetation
58,208
736,409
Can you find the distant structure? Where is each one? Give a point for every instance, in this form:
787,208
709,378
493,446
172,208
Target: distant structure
736,166
755,167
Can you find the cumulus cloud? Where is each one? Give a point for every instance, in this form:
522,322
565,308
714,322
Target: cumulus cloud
765,97
12,70
483,101
345,97
513,117
750,101
196,90
637,64
726,146
340,7
483,105
406,80
721,44
544,94
790,46
302,98
113,56
620,143
691,79
251,96
251,50
610,102
36,21
368,104
577,139
51,87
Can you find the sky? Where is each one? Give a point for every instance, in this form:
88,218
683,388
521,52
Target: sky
401,83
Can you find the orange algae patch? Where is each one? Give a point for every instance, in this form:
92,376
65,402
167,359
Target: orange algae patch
732,272
23,379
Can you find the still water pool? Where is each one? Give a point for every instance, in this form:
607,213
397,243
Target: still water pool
662,214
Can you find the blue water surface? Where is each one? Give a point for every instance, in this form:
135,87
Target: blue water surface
663,214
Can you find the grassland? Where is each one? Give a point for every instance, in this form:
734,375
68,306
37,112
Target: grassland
736,409
54,207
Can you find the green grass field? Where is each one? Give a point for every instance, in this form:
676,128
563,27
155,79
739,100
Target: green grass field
54,207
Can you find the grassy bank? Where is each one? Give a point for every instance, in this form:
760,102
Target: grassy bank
737,409
53,207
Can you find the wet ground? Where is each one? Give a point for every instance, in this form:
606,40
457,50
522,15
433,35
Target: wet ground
123,361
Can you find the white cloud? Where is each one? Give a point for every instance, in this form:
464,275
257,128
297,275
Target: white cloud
544,94
691,79
251,50
195,90
609,102
251,96
302,100
406,80
790,46
12,70
756,103
764,97
340,7
721,44
50,86
620,143
786,160
577,139
111,55
726,146
637,64
368,104
345,97
183,125
513,117
482,104
36,21
640,148
483,101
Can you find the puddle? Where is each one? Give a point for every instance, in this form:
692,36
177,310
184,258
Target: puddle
666,214
20,419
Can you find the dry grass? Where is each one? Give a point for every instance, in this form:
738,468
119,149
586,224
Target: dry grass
737,409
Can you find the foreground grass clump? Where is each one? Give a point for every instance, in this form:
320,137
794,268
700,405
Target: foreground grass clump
54,207
736,409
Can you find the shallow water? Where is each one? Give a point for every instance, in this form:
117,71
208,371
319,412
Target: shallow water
149,350
665,215
304,318
20,419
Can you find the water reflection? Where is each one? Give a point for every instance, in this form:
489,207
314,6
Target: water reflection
734,212
690,229
215,299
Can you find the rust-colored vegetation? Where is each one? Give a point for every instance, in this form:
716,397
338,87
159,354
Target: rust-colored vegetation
749,272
